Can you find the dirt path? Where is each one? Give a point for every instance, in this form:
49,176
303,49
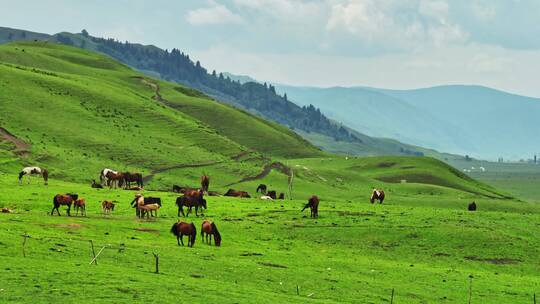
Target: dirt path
22,148
180,166
266,170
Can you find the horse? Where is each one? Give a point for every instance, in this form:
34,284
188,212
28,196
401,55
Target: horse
472,206
96,185
262,188
103,176
148,208
266,197
182,228
133,177
34,171
205,183
281,196
191,199
63,199
313,204
80,204
377,194
107,207
235,193
272,194
114,179
210,229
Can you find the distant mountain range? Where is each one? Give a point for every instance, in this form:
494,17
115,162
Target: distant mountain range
258,98
474,120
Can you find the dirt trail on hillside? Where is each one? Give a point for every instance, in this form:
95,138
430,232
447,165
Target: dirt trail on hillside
266,170
180,166
22,148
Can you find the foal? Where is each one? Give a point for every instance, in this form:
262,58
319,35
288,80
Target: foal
80,204
313,204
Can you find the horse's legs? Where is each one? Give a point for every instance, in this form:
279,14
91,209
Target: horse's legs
69,210
182,238
56,207
52,211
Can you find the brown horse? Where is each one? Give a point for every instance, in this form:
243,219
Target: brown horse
182,228
377,194
472,206
80,204
205,183
114,179
133,177
210,229
313,204
235,193
63,199
281,196
107,207
272,194
191,199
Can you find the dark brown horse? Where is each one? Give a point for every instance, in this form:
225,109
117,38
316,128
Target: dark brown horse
262,188
313,204
272,194
472,206
377,194
96,185
235,193
80,204
281,196
114,179
182,228
129,178
107,207
191,199
205,183
209,228
63,199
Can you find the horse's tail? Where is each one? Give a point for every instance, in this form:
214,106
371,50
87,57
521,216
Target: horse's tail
55,201
179,201
194,233
174,230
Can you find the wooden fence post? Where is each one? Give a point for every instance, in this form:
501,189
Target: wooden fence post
157,261
95,258
534,298
392,298
297,290
25,236
93,252
470,288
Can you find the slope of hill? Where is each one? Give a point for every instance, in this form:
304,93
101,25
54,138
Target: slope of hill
241,92
457,119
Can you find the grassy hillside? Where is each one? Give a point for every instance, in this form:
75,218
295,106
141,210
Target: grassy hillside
76,112
79,111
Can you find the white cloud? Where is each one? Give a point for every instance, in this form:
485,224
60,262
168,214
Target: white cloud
213,15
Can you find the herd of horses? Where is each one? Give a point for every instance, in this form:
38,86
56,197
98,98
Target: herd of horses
192,197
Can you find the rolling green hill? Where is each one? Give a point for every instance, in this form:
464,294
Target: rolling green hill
76,112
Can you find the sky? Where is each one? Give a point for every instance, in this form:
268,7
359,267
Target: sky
399,44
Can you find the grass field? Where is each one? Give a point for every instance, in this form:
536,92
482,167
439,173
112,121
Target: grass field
76,112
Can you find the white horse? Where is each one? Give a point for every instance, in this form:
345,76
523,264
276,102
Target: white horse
34,171
103,176
266,197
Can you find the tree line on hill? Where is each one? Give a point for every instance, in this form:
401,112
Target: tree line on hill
178,67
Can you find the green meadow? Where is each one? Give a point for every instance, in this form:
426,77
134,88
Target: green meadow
76,112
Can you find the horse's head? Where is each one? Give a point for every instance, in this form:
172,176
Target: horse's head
74,196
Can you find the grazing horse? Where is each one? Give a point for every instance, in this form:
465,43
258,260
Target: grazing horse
114,179
272,194
182,228
313,204
472,206
63,199
266,197
262,188
205,183
209,228
148,208
96,185
133,177
103,176
139,202
235,193
377,194
281,196
80,204
107,207
191,199
34,171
